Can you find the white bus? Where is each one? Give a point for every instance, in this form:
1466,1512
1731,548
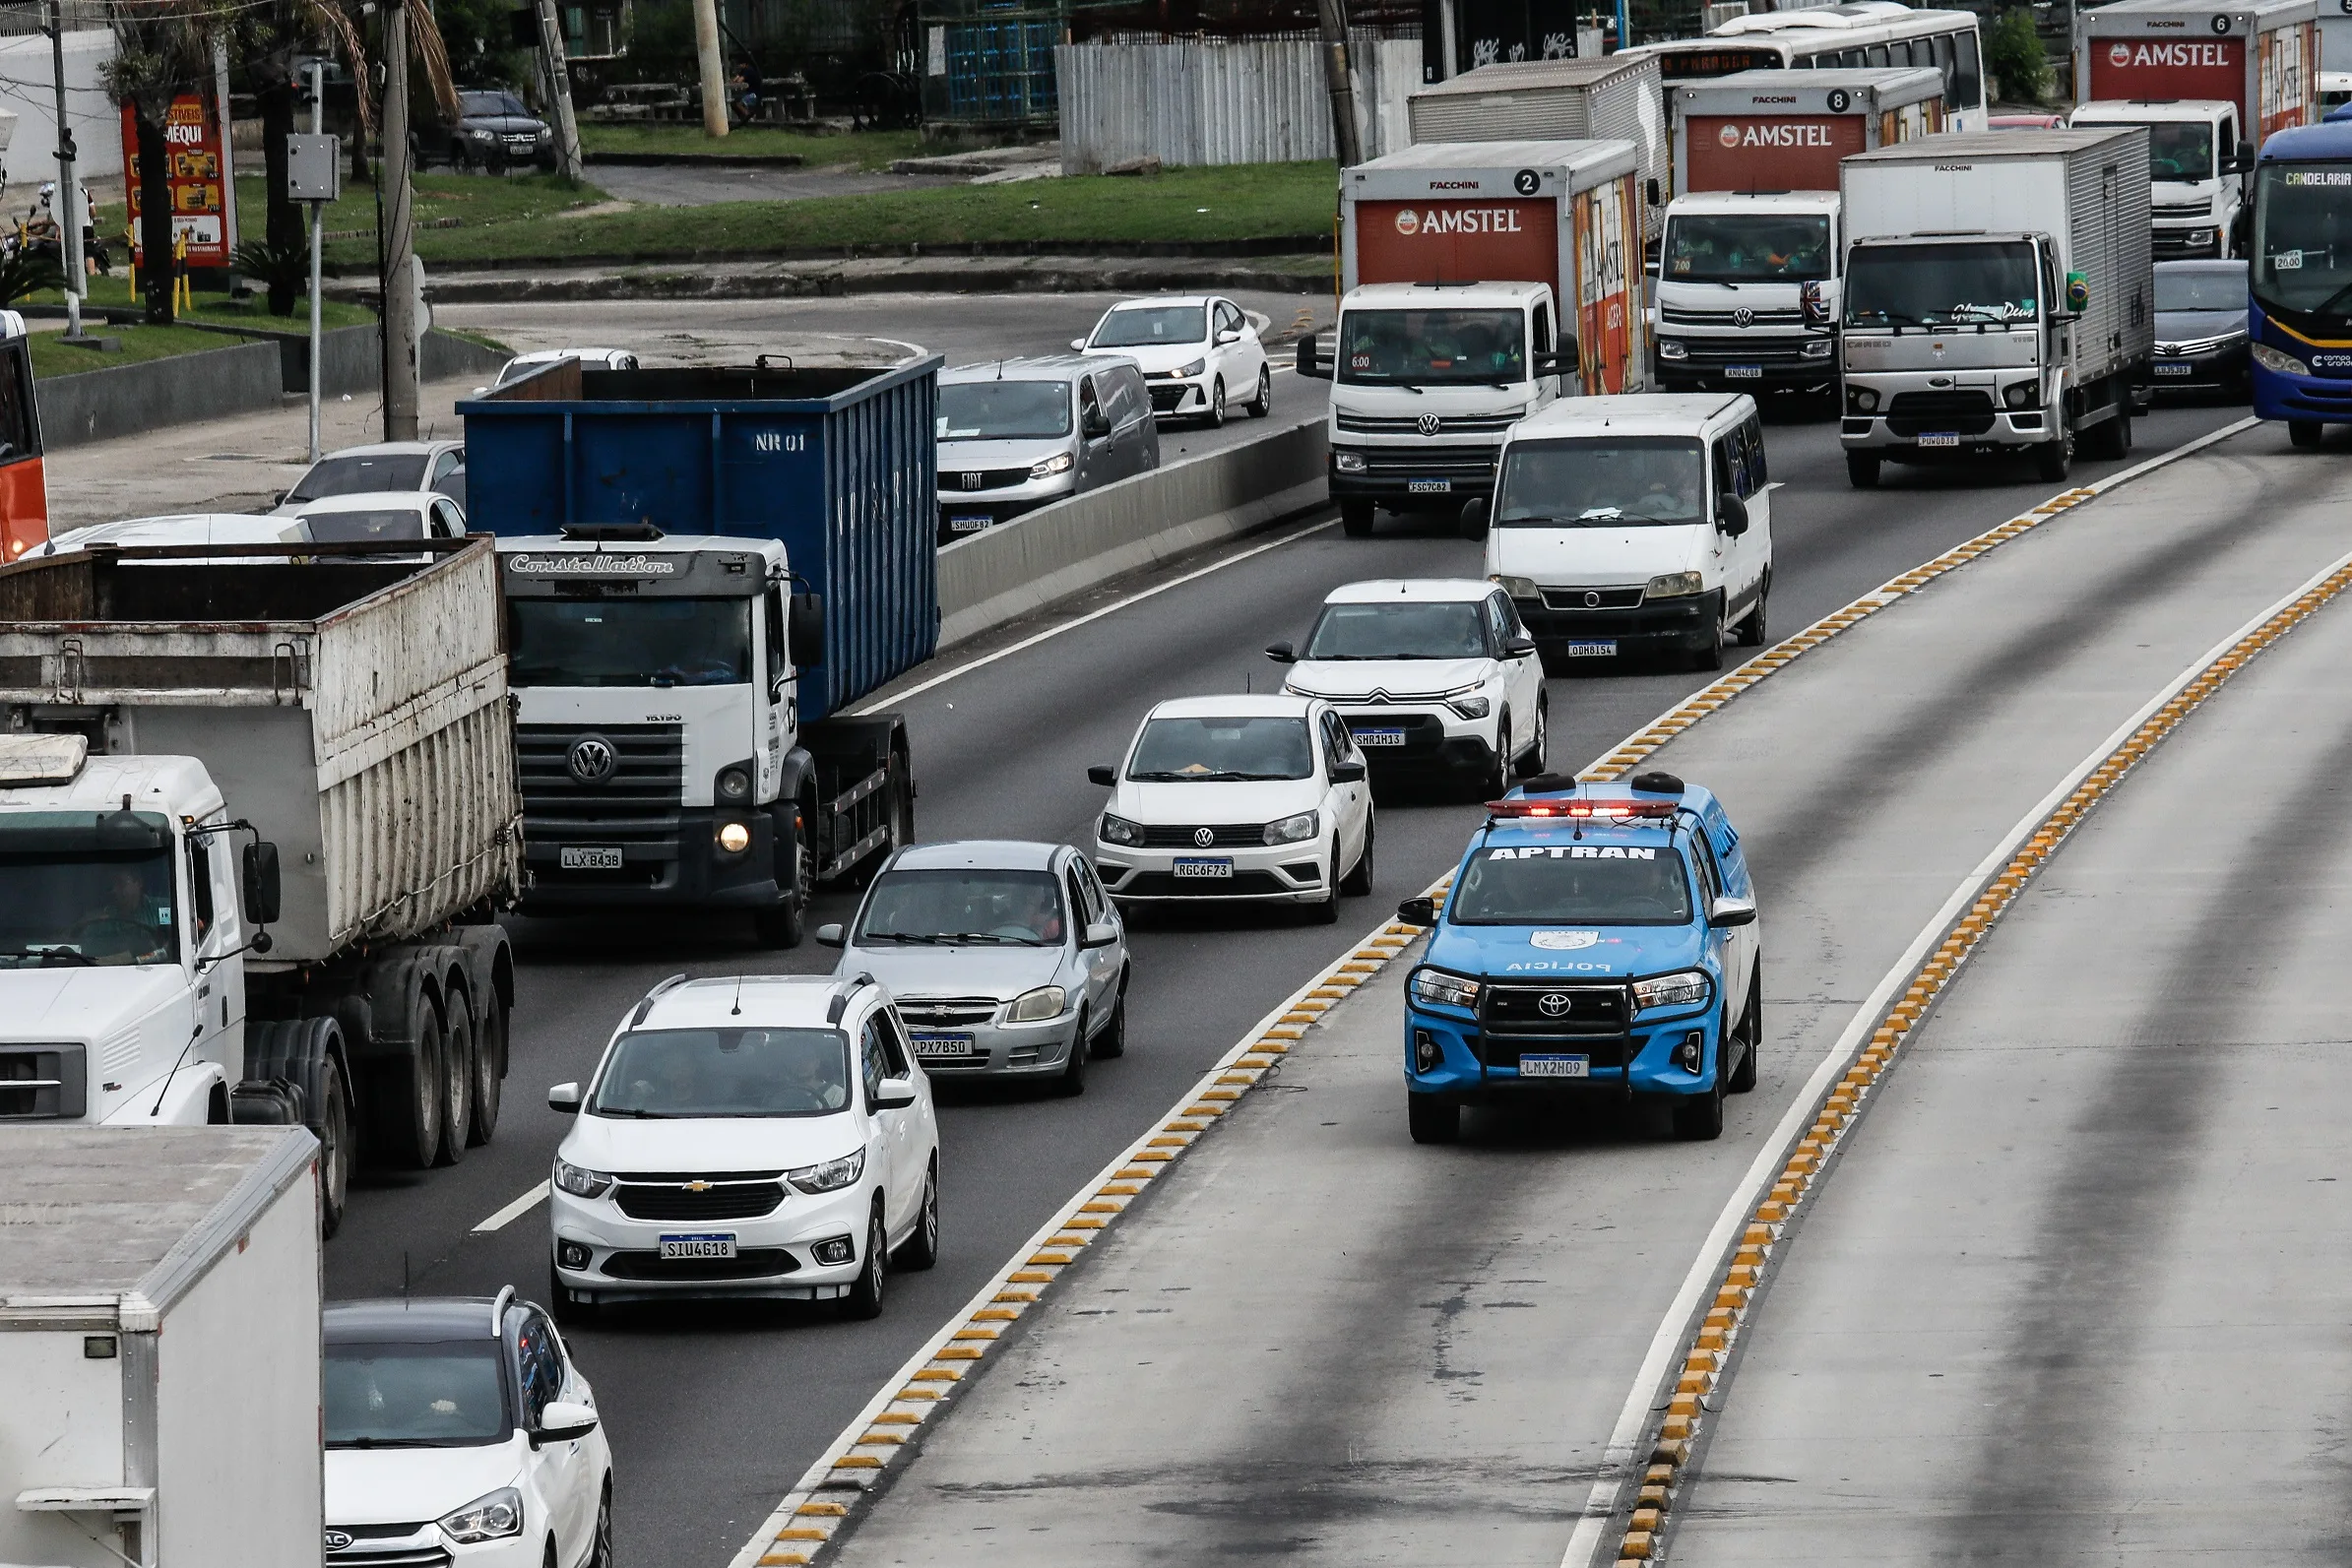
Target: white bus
1864,32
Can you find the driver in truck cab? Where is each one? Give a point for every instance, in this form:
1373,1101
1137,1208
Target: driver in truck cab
1599,941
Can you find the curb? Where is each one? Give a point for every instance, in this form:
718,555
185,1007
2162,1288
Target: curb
693,159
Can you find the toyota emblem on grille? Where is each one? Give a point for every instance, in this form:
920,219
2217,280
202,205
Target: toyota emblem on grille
1429,424
1592,600
1203,837
973,481
339,1540
1554,1004
1742,317
591,760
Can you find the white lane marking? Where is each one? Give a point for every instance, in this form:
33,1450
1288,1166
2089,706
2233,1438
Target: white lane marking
1633,1420
1051,632
514,1211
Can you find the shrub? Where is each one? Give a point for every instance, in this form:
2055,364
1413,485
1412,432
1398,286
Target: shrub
2014,52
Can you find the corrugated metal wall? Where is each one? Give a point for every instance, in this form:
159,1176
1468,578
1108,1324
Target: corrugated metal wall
1206,102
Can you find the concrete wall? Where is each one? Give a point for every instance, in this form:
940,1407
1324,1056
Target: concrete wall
1022,566
1212,101
352,363
27,85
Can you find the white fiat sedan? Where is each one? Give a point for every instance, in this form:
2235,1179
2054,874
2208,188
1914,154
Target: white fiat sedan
1200,355
1238,799
757,1135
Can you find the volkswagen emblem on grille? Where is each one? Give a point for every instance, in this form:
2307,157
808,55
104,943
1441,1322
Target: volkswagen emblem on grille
1742,317
973,481
1203,837
1554,1004
591,760
1592,600
1429,424
339,1540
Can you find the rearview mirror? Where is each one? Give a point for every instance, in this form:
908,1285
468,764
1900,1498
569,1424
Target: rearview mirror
1078,343
1418,912
1730,911
1228,335
1281,653
1311,364
258,892
1649,190
1102,933
805,633
830,935
1102,774
1347,772
560,1422
1095,426
1731,514
564,1098
1518,648
896,1094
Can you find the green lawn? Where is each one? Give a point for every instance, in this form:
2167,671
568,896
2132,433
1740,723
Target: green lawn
472,199
114,290
1193,205
53,357
853,149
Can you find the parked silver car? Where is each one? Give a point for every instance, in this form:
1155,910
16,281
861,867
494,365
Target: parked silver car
1015,434
1007,959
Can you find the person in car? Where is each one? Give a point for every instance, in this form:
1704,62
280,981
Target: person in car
808,1084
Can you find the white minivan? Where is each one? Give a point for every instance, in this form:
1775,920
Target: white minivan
1634,524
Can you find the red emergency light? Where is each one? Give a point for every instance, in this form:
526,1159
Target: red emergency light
1586,809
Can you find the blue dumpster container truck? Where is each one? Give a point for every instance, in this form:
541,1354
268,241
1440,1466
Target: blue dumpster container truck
703,570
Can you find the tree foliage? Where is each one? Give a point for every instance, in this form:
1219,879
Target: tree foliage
2013,51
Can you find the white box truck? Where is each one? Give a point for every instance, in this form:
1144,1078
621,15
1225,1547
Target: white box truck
1748,277
1999,297
2210,84
256,812
1600,98
160,1347
1482,280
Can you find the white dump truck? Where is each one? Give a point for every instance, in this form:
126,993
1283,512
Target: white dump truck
255,816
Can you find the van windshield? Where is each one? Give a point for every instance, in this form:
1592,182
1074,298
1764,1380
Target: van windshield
1433,348
1746,247
1892,286
1004,411
1613,482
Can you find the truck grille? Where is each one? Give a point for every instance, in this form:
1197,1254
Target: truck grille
1914,414
1221,837
1434,463
564,768
1446,424
1573,599
43,1082
936,1012
725,1199
1590,1018
1684,316
2182,210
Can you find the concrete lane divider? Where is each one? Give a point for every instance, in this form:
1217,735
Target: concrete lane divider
1017,567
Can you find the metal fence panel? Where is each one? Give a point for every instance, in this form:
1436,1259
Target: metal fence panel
1216,101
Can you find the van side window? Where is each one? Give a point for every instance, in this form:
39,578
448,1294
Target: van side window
200,885
1725,482
1542,329
1090,405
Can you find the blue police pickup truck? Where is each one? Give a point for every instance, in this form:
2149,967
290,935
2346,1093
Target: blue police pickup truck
1598,940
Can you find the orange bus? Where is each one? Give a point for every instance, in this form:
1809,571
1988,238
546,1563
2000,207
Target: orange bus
23,488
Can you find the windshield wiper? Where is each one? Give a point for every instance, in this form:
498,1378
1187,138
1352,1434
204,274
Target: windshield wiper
70,955
633,1112
1210,775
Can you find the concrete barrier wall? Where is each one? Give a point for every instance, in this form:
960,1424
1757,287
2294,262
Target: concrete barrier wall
1022,566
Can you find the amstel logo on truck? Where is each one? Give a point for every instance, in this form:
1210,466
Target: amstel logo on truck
1457,219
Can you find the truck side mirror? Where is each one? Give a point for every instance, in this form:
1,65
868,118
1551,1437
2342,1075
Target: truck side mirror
1731,514
1418,912
1649,190
1311,364
258,890
2241,160
1476,513
804,634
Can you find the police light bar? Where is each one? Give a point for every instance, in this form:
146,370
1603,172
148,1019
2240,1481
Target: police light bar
1522,807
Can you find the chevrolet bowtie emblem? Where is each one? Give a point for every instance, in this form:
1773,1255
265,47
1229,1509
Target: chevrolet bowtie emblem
698,1186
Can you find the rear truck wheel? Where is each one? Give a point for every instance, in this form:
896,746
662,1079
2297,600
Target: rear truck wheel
456,1079
2302,433
865,1300
1496,780
1432,1121
1751,1035
333,1131
1263,404
409,1132
2110,438
1861,470
1356,517
1113,1041
1698,1118
1216,412
570,1309
922,1249
1532,764
1750,633
1708,652
1072,1082
489,1069
1359,881
2054,460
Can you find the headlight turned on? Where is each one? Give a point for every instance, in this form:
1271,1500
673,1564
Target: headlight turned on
1675,585
490,1516
580,1182
1292,830
831,1176
1059,462
1035,1007
1441,989
1118,830
1680,989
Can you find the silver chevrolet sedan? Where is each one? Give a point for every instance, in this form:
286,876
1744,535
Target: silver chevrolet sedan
1006,959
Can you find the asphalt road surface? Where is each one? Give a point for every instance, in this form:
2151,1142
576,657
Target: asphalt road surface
714,1412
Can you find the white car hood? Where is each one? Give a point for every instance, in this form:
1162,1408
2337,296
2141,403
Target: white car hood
709,1143
958,456
83,1003
916,971
1158,357
1598,557
1398,677
1209,804
412,1485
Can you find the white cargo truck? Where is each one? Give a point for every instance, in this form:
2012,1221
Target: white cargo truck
1617,97
255,815
1998,298
159,1347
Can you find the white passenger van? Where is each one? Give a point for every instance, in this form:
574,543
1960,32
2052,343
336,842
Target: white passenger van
1632,524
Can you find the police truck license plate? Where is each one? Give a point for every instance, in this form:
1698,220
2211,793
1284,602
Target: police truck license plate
576,858
1555,1066
1204,868
1602,648
929,1046
2177,369
1939,439
1742,372
707,1244
967,522
1378,737
1429,487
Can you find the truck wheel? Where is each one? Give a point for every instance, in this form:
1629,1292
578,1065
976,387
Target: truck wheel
1356,518
460,1063
335,1146
787,924
2054,460
2112,439
489,1069
1861,470
1432,1121
408,1130
2302,433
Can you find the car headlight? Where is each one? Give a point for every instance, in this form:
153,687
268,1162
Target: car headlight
1441,989
1348,461
1035,1007
1679,989
1292,830
486,1518
1861,399
2021,393
1674,585
735,838
831,1176
1059,462
483,136
1668,349
1188,372
581,1183
2201,236
1118,830
2280,364
1817,347
1518,587
1468,703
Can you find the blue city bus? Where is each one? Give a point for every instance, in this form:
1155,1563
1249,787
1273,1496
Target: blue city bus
2300,277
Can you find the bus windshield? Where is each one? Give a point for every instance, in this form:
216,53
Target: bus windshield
2303,237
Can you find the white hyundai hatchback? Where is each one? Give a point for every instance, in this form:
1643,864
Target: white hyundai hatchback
1200,355
1238,799
759,1135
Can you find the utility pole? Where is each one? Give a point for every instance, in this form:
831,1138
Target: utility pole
68,188
331,172
714,71
399,280
1331,18
559,88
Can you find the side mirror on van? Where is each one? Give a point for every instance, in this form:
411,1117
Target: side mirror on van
1095,426
1731,514
1311,364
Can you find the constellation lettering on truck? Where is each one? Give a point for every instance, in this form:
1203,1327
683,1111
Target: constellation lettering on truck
591,565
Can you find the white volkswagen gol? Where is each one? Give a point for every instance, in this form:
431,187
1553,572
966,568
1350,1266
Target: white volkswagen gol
460,1432
1231,798
1436,677
1200,355
758,1135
